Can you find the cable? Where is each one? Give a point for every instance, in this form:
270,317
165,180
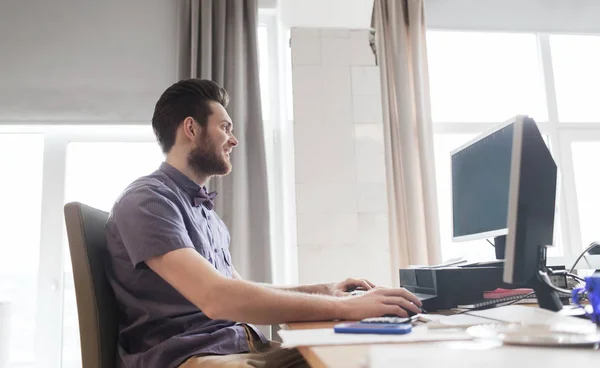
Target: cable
578,278
524,296
590,247
544,276
488,240
566,273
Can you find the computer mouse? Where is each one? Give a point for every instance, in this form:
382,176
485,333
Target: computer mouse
410,313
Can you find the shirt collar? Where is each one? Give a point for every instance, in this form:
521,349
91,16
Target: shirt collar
198,194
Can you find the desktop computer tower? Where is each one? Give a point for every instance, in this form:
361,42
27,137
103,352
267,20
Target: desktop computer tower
446,288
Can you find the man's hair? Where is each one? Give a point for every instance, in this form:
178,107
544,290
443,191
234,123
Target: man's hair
186,98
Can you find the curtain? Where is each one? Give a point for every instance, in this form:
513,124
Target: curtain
219,42
412,200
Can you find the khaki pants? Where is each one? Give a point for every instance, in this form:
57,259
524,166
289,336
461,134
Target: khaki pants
269,355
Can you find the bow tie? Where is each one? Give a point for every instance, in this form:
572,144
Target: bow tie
205,199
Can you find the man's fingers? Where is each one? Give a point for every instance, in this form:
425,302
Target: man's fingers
355,283
403,303
372,285
404,294
394,309
364,284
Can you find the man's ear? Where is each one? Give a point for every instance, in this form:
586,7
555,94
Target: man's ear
190,128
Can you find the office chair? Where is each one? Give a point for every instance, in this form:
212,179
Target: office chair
96,305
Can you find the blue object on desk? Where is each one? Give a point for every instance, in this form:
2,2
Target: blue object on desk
373,328
592,289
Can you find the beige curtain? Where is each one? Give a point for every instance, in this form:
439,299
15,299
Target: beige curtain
412,200
219,42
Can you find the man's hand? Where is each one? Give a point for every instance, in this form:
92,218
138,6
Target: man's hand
378,302
236,300
343,288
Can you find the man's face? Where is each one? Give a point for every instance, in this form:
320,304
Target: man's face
211,152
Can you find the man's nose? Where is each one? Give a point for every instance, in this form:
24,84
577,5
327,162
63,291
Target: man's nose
233,140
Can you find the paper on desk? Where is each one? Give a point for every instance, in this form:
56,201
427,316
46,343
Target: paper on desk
509,314
477,353
326,336
529,315
435,321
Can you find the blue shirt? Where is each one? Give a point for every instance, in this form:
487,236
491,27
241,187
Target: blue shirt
159,327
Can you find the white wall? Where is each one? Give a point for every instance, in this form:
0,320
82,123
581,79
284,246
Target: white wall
342,228
71,60
569,16
326,13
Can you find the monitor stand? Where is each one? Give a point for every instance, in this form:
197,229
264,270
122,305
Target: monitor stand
500,246
546,296
545,293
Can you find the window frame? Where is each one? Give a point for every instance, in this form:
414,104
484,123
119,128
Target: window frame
279,131
560,134
51,269
566,139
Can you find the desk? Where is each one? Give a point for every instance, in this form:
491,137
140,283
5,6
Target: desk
342,356
354,356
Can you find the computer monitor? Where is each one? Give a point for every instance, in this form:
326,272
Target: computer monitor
531,209
480,187
504,186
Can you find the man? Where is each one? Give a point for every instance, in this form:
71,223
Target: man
181,301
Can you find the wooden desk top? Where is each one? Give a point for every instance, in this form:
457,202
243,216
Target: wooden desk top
348,356
355,356
337,356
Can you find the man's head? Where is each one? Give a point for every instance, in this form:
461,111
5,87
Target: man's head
190,120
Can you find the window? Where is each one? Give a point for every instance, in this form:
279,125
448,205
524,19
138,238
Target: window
480,79
278,128
45,167
484,77
587,180
575,61
21,157
96,173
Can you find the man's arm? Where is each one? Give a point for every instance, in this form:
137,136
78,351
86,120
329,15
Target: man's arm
333,289
322,289
237,300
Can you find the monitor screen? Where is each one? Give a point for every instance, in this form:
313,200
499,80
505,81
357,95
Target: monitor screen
480,185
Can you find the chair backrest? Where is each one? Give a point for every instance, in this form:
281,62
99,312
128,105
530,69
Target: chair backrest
96,305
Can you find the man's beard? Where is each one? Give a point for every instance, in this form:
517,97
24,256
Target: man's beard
207,159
